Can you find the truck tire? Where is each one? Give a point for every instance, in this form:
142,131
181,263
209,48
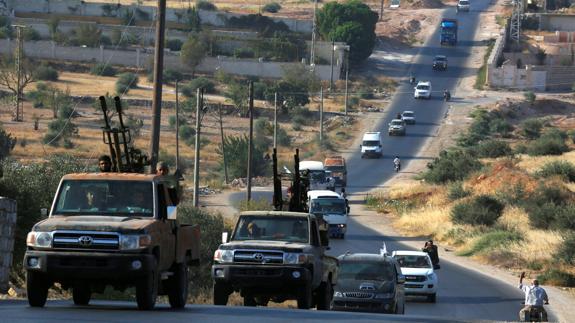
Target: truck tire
147,291
178,286
36,288
221,294
249,300
324,297
81,294
304,298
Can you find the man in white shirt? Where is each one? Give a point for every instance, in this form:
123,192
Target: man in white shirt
535,297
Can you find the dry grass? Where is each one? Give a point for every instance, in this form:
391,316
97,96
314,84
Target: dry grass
533,164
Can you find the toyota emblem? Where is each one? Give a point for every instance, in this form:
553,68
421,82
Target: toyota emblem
258,256
85,240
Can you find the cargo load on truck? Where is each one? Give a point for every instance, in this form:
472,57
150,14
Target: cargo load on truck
448,31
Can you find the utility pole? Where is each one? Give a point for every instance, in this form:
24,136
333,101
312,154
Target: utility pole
331,72
199,103
223,145
321,118
313,32
157,98
18,114
346,77
251,139
275,120
381,11
177,130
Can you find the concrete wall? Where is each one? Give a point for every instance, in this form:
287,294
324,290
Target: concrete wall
140,58
528,78
552,22
7,228
77,7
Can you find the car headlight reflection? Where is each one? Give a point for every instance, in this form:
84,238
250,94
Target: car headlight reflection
337,294
135,241
222,255
39,239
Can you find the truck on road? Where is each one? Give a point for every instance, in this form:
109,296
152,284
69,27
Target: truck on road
448,32
276,255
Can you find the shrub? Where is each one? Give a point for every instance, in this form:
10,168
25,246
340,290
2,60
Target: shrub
547,145
493,149
531,128
565,218
566,251
260,90
272,7
500,126
298,121
171,76
31,34
189,90
125,82
172,121
237,146
242,52
283,138
206,5
175,45
103,69
492,240
563,169
530,97
187,132
557,277
46,73
541,216
296,126
481,210
457,191
512,195
263,126
451,166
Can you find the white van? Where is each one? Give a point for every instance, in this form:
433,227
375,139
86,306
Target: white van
332,207
319,178
371,145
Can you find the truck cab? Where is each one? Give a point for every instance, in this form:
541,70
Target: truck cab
333,208
112,229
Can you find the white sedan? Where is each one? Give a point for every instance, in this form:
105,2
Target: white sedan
420,278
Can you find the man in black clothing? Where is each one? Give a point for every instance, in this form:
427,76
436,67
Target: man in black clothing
431,250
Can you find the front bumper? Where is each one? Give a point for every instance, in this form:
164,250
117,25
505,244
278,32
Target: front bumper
262,277
439,67
420,288
371,153
386,305
69,266
422,95
396,131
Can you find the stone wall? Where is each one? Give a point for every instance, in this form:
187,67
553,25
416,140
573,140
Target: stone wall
553,22
7,228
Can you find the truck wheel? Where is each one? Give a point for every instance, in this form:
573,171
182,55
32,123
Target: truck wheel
431,298
147,291
178,286
249,300
324,296
304,298
81,294
221,294
36,288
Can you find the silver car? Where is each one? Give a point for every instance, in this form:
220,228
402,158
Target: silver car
408,117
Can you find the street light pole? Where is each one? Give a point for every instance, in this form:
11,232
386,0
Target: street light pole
331,73
346,77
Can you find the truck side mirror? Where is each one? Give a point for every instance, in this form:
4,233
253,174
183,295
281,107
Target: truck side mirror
172,212
224,237
44,211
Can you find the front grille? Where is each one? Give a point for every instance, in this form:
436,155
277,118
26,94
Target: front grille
358,295
357,305
260,272
86,240
258,256
415,278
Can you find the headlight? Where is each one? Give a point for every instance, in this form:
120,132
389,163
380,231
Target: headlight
384,295
224,255
337,294
135,241
431,276
39,239
296,258
341,225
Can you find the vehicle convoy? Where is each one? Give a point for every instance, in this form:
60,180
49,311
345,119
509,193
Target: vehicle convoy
336,165
276,255
370,283
371,145
440,62
422,90
396,127
448,31
113,229
420,277
319,179
333,208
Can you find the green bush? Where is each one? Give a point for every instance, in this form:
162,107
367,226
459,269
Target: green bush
451,166
174,45
103,69
530,97
171,76
456,191
46,73
237,146
263,126
542,216
260,90
189,90
493,149
272,7
206,5
531,128
299,120
547,145
550,194
566,251
565,218
31,34
563,169
243,52
283,138
501,127
187,132
557,277
513,195
125,82
491,241
481,210
172,121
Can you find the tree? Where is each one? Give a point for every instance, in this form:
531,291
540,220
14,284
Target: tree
88,34
294,87
352,22
53,24
7,143
9,77
237,92
237,166
193,52
193,22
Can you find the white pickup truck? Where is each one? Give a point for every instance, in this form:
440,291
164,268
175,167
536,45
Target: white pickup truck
332,207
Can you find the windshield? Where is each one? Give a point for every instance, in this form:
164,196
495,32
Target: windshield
439,58
408,115
406,261
370,143
289,229
464,3
317,175
328,206
396,123
105,197
335,169
366,270
423,87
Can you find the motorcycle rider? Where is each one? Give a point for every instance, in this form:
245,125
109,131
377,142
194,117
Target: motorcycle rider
397,163
412,78
398,116
535,297
446,95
